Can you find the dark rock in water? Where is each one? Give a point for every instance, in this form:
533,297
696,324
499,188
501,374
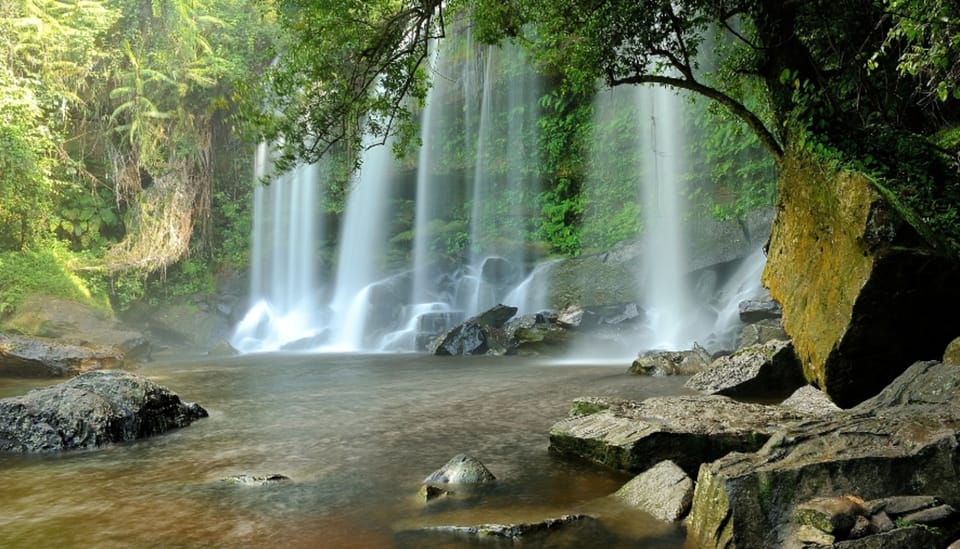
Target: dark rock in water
671,363
429,492
27,356
688,430
902,442
461,469
478,335
91,410
498,271
663,491
562,531
760,371
255,480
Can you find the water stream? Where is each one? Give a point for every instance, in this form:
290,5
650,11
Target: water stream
356,433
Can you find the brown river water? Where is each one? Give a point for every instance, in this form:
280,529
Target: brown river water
355,433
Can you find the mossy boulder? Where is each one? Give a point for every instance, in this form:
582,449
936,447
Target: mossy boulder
862,292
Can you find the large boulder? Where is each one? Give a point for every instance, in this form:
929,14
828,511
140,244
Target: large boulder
688,430
91,410
862,294
478,335
903,441
27,356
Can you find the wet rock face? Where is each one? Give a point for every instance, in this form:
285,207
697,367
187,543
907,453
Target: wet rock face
901,442
861,293
91,410
478,335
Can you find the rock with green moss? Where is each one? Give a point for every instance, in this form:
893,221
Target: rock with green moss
27,356
951,355
862,292
671,363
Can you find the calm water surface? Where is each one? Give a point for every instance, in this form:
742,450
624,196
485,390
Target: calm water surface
356,433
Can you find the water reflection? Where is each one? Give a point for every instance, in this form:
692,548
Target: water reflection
356,433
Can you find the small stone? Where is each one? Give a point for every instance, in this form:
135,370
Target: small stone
254,480
461,469
810,401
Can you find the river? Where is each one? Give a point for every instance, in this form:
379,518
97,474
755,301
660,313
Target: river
356,433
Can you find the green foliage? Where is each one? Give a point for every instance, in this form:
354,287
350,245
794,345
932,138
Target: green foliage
47,271
87,219
24,191
926,35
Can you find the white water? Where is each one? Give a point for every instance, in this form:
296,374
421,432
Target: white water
285,291
665,292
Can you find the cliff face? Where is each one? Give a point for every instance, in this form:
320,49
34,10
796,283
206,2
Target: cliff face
863,296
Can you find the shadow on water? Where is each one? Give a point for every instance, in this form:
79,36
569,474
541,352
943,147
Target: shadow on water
356,434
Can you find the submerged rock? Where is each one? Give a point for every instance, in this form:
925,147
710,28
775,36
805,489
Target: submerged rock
688,430
461,469
563,531
91,410
256,480
759,371
663,491
901,442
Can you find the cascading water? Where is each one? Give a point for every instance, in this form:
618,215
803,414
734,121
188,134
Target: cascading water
284,287
363,235
665,292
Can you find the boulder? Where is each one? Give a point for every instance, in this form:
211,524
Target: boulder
91,410
755,310
27,356
768,370
478,335
688,430
862,293
536,334
671,363
901,442
663,491
461,469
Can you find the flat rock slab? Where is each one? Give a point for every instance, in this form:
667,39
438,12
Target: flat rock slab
91,410
903,441
688,430
29,356
563,531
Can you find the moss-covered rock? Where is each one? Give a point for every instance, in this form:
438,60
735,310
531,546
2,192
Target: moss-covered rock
861,291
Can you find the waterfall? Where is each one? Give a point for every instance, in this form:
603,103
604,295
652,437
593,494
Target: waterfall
665,292
363,234
285,290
